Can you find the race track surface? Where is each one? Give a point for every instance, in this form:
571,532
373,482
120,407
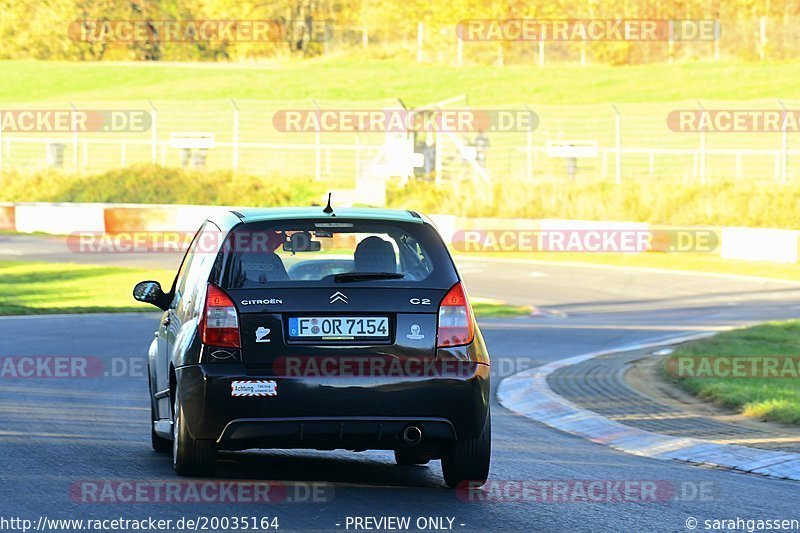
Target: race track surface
57,433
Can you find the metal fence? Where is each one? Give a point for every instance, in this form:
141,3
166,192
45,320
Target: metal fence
626,142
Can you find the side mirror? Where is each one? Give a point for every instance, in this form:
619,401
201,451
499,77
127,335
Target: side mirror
150,292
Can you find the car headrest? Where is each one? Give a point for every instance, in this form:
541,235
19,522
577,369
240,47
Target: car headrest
374,254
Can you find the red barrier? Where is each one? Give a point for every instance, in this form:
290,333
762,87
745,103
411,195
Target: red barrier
121,219
7,218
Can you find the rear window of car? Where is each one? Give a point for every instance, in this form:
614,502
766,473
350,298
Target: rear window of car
332,252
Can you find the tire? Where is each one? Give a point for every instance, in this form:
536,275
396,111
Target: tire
468,459
407,457
160,444
190,457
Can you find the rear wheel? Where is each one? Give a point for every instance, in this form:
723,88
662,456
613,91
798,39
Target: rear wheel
190,457
410,457
468,459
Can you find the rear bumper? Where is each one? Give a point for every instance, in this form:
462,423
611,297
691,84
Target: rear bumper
329,413
331,433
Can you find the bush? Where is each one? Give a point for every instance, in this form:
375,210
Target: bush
149,184
739,203
732,203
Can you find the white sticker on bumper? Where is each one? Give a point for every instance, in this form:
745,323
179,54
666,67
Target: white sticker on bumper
254,388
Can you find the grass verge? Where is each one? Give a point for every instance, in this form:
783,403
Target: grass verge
499,310
49,288
364,79
769,398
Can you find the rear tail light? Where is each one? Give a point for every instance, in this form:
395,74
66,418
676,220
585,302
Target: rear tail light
220,322
455,319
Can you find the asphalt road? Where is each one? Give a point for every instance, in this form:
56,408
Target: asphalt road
57,433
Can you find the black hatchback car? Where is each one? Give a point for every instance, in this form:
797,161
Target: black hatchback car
308,328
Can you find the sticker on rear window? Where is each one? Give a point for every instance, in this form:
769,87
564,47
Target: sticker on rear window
254,388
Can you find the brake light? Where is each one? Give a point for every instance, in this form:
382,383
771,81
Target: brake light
220,321
455,319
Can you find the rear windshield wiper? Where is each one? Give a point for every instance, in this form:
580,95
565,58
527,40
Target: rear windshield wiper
365,276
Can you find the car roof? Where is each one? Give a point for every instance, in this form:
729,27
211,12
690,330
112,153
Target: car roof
358,213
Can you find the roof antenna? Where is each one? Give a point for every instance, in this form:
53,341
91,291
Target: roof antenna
328,209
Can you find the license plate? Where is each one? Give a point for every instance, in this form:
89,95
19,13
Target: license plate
339,327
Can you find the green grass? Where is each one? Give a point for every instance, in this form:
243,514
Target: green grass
360,79
46,288
775,399
500,310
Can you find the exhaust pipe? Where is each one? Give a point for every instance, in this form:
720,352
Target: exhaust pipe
412,435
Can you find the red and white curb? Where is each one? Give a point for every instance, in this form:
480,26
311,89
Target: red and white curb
528,394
